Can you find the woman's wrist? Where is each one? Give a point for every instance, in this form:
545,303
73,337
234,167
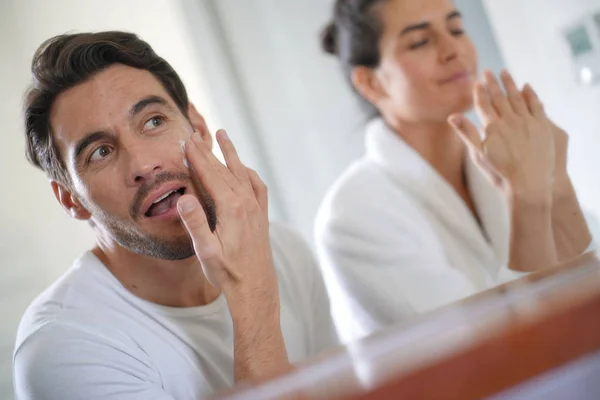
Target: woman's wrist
563,187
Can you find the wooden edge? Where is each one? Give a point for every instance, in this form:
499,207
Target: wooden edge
504,361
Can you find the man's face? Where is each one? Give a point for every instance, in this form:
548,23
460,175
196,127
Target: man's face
119,135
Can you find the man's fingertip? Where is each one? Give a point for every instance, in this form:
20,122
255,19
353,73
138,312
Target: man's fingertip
186,205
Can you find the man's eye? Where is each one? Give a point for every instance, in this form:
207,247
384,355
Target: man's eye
100,153
153,123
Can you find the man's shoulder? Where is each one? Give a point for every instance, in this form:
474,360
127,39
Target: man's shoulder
62,301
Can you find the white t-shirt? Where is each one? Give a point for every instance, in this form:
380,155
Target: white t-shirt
87,337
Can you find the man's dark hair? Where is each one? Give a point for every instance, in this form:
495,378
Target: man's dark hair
65,61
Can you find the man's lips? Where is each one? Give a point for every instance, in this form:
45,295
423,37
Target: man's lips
160,193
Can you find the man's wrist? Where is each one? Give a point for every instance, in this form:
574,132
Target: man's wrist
254,303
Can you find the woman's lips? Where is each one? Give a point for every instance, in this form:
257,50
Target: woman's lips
458,77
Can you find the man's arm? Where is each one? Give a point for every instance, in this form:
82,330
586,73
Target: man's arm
60,361
236,257
260,351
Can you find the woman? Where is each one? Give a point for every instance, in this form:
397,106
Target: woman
431,214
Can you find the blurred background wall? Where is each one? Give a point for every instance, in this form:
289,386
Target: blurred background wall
256,69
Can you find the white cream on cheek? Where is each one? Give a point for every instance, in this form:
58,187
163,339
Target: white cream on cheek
185,161
182,141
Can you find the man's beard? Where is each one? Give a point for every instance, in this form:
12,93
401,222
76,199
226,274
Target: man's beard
126,235
172,248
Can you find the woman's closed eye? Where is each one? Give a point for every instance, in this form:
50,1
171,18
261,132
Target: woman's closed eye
418,44
421,43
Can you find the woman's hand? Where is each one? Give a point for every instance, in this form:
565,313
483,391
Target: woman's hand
517,152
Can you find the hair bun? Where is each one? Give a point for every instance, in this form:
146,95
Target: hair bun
329,39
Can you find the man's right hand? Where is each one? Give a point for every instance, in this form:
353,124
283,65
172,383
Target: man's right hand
236,257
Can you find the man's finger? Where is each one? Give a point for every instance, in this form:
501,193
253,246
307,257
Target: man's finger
194,218
467,132
260,190
231,157
208,170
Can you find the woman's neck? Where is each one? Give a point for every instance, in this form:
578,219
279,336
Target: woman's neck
437,143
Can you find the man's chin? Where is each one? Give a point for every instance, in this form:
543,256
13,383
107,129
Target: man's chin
163,248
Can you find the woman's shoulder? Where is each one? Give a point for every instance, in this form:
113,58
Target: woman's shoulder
364,194
359,182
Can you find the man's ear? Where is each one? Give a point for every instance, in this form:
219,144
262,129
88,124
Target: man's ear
69,202
199,124
367,83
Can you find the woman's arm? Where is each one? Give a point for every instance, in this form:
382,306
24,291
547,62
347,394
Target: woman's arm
571,233
518,155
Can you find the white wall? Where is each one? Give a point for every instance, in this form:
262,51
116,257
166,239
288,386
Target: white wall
37,240
307,119
529,35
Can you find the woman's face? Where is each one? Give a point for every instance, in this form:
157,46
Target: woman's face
428,63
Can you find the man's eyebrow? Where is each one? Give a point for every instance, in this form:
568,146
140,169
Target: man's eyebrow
89,139
145,102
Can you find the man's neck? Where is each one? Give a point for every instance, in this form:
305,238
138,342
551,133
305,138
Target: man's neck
165,282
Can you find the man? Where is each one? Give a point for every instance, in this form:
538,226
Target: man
188,289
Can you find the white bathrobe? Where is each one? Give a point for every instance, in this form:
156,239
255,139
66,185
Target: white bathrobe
395,239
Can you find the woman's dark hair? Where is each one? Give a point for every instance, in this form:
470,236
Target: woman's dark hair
65,61
354,33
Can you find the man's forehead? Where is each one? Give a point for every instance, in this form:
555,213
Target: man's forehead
102,101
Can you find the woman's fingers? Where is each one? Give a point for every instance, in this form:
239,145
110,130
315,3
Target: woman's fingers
535,106
483,105
515,98
497,97
467,132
